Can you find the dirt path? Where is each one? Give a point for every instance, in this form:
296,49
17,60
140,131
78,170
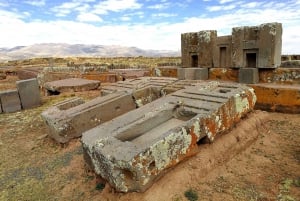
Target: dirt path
33,167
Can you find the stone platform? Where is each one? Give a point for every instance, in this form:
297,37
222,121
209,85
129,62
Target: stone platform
133,150
71,85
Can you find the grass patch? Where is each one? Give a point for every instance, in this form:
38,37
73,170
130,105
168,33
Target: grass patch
191,195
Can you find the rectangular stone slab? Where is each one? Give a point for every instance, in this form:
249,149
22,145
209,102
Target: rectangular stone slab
72,85
10,101
67,123
133,150
29,93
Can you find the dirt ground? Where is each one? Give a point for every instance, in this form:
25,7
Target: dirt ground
251,162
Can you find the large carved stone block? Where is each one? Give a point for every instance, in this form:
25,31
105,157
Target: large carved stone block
134,149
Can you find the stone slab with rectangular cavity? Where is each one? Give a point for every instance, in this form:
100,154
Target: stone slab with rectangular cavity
67,122
29,92
70,118
10,101
71,85
135,149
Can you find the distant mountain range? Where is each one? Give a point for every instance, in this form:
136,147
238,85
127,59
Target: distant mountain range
65,50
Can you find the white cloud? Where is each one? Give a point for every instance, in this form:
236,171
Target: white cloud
150,36
125,18
116,5
225,1
221,8
88,17
36,3
164,15
163,5
65,8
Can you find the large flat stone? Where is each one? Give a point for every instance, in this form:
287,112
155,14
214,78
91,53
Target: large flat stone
10,101
71,85
133,150
29,93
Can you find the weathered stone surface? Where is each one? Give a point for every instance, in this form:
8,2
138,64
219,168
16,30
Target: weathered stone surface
248,46
50,74
248,75
192,73
165,71
225,74
29,93
124,74
71,85
69,122
280,75
277,97
133,150
137,84
66,123
10,101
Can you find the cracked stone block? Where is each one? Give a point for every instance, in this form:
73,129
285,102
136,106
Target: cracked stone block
133,150
10,101
248,75
71,85
29,93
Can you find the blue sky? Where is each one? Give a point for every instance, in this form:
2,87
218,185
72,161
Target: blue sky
148,24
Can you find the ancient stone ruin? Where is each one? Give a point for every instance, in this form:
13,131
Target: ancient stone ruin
131,151
27,95
137,129
248,48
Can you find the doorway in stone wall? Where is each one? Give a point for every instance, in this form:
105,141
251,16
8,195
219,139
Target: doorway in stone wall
194,62
251,60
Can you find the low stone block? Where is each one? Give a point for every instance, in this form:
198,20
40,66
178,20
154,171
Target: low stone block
193,73
133,150
29,93
277,97
248,75
10,101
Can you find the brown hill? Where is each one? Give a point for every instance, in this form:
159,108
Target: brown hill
67,50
